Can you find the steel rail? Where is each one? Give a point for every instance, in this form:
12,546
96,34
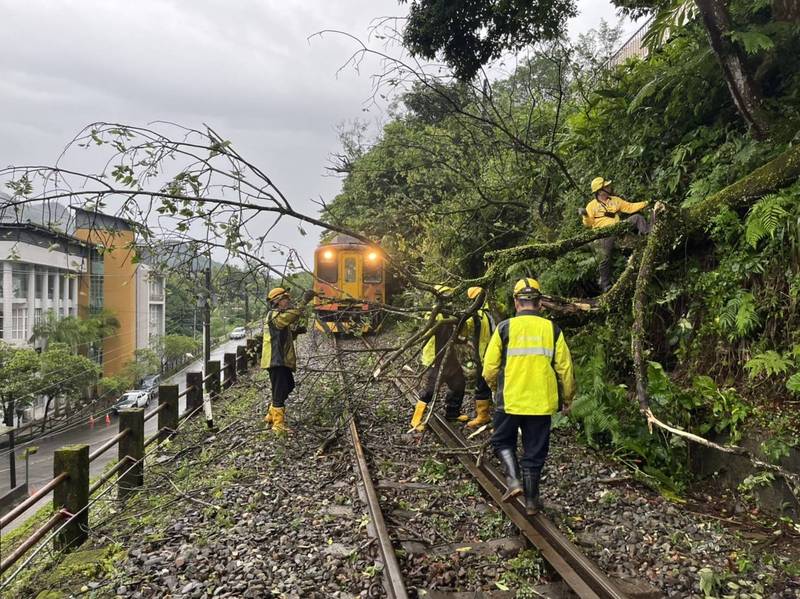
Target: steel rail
10,516
108,445
392,575
23,547
578,571
154,412
108,475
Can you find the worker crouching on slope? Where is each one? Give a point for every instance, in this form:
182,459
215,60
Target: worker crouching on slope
278,355
604,211
479,330
529,367
434,360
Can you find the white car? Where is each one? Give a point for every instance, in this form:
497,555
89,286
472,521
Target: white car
132,399
237,333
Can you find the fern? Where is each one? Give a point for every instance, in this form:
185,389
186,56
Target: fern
739,316
765,218
793,384
769,363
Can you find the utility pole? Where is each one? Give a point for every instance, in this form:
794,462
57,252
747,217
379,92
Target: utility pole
207,315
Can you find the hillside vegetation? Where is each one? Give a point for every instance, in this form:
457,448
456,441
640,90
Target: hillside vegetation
464,169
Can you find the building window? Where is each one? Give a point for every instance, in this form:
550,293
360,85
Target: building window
68,283
96,270
19,282
19,322
37,316
51,286
156,288
156,321
38,286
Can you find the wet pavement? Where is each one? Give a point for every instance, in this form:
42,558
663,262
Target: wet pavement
41,463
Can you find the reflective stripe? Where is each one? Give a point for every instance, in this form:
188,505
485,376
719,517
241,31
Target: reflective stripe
530,351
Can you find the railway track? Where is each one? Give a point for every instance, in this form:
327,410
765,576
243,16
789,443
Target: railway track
575,569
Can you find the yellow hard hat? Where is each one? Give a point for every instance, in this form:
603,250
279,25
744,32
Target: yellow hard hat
444,290
276,293
527,288
599,183
474,292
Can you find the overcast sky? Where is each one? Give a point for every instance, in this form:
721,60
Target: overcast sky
245,67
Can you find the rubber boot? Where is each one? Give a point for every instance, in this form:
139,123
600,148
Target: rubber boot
530,479
270,417
513,484
419,412
452,407
279,420
482,416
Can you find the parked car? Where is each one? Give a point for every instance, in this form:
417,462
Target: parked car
237,333
132,399
150,384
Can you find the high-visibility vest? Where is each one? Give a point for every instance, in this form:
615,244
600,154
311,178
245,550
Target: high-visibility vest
479,330
528,365
278,346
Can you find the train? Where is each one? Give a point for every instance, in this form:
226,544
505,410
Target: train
350,278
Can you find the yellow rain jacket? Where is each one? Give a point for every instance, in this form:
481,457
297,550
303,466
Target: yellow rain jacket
429,349
278,347
528,366
485,327
599,214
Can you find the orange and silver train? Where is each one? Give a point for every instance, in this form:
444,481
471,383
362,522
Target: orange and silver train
351,280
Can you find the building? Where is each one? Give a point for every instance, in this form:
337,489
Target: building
76,263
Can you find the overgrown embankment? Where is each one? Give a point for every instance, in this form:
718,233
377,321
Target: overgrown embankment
710,302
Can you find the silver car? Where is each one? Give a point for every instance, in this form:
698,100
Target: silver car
132,399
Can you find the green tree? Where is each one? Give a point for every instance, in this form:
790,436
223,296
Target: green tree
65,374
176,349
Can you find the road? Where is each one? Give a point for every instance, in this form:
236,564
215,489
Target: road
41,463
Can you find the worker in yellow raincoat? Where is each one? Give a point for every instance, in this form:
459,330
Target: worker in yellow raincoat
479,329
604,211
529,368
278,353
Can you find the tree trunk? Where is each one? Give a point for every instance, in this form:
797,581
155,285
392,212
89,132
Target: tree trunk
743,90
786,10
8,420
46,410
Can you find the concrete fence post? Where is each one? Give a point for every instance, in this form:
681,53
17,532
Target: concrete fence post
131,449
252,354
213,382
72,495
230,369
194,397
168,416
259,339
241,359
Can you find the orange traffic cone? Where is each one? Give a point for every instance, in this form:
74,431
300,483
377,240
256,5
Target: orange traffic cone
91,421
108,419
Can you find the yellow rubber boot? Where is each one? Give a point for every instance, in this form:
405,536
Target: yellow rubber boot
279,420
482,416
419,412
270,417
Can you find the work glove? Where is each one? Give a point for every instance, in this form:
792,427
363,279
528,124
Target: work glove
308,295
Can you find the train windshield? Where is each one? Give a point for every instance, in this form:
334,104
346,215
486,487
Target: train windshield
373,273
327,268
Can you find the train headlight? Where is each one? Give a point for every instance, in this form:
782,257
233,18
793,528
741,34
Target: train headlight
327,255
372,256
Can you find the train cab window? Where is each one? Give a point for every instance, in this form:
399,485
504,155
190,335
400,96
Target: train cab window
327,268
372,273
350,270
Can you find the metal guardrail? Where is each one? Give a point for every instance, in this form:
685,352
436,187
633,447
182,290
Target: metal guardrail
72,506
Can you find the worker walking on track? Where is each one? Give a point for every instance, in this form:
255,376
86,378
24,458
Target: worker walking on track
278,355
434,360
529,367
604,211
479,330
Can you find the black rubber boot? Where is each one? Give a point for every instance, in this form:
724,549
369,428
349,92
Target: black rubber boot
513,485
452,407
530,479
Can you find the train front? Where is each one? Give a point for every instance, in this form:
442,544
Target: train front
350,279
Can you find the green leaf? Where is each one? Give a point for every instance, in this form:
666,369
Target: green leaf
648,90
752,41
769,363
793,384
